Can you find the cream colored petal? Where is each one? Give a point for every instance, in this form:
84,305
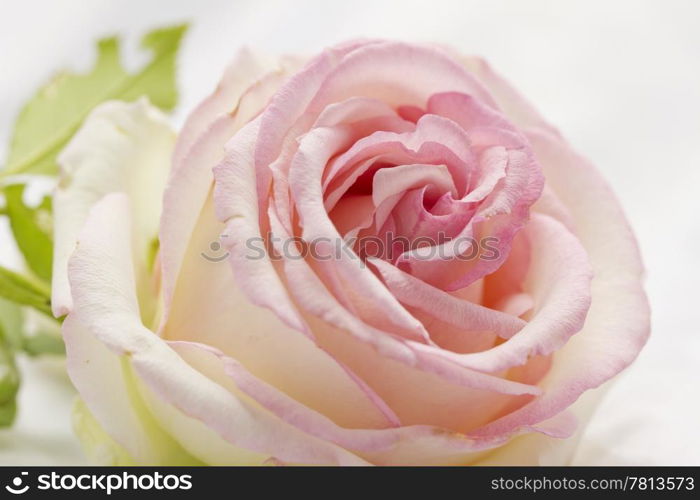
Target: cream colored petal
121,147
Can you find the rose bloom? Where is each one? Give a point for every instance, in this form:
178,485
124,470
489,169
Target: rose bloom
185,350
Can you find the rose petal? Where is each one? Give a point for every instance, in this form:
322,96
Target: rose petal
617,325
200,147
305,174
558,280
246,67
381,446
445,307
103,292
120,147
257,338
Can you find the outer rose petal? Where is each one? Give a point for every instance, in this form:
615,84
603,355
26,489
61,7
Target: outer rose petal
408,445
617,325
192,408
105,382
509,99
618,322
587,201
97,444
243,71
249,82
258,339
120,147
303,370
237,204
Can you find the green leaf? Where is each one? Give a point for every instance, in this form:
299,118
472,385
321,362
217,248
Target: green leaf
44,343
9,381
8,412
11,320
32,230
22,290
48,121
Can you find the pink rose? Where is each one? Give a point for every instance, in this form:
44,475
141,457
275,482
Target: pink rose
421,270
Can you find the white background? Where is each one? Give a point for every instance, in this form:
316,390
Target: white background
621,79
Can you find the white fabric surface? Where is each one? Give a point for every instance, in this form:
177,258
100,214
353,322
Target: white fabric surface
620,79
